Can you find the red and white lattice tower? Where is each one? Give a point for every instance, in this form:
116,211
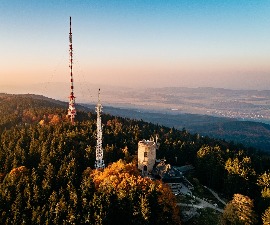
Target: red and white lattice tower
71,108
99,164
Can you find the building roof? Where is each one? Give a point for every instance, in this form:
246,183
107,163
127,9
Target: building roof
184,169
167,172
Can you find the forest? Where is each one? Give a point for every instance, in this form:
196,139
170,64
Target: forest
47,173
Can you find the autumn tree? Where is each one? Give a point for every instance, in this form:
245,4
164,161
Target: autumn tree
240,175
264,183
266,217
122,191
239,211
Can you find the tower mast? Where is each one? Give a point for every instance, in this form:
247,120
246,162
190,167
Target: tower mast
71,108
99,164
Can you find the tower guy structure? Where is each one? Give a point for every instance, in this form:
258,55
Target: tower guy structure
99,164
71,108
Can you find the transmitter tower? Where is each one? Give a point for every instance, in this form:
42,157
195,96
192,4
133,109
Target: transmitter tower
71,108
99,164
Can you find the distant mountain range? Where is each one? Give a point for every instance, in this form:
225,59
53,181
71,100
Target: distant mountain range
237,115
249,133
251,105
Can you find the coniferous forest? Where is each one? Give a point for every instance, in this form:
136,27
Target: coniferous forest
47,173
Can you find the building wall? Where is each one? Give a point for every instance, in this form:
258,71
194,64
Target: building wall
146,155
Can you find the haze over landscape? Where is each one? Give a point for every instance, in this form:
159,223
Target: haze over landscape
171,123
137,43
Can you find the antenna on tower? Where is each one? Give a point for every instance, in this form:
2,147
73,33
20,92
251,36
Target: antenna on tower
71,107
99,164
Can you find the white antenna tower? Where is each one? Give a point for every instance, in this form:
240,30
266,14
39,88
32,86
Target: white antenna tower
99,164
71,107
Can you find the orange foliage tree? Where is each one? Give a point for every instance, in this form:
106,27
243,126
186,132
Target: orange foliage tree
122,196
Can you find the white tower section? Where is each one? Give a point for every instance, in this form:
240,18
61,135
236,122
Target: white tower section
146,155
71,107
99,164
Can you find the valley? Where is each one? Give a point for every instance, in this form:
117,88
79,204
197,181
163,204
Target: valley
241,116
250,105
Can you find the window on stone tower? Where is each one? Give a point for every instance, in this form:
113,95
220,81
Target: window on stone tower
145,154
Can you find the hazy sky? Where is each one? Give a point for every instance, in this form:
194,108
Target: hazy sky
141,42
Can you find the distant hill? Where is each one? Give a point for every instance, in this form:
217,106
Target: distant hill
252,134
20,108
250,105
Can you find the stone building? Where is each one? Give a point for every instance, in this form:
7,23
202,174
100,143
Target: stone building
146,155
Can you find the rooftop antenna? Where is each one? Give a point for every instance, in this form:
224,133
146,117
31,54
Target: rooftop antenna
71,107
99,164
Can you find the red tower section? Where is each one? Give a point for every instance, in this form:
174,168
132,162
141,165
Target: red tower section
71,108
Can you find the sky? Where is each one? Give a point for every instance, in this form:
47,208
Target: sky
139,43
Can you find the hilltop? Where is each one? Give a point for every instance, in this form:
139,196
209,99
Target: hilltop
47,176
214,112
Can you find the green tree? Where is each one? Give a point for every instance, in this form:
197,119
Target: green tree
210,166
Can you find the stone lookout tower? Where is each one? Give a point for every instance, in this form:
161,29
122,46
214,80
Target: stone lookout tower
147,155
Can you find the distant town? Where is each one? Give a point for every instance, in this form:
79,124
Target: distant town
250,105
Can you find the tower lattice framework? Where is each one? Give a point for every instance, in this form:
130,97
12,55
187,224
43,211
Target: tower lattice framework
71,108
99,164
